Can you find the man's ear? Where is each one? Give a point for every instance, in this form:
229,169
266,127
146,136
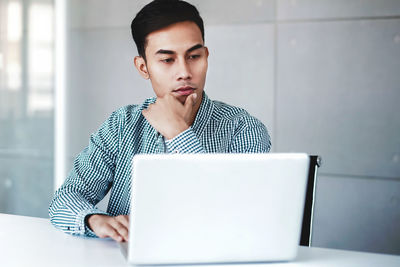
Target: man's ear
207,53
141,66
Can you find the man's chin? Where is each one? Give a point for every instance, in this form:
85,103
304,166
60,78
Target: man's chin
182,98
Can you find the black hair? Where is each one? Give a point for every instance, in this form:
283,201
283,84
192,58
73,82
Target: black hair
159,14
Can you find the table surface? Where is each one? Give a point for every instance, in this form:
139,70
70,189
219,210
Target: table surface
29,241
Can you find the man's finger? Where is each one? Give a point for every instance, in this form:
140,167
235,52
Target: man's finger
190,101
121,229
111,232
107,230
124,219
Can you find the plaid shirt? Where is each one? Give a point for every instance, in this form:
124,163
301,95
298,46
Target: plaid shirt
106,163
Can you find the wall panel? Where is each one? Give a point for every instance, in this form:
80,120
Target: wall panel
357,214
338,94
328,9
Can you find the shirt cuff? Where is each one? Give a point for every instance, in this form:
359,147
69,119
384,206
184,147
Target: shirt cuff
185,142
81,227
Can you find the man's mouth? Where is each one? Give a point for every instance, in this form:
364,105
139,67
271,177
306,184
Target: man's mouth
184,90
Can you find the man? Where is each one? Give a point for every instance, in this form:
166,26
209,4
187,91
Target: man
169,35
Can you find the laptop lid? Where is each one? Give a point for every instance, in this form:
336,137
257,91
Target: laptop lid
214,208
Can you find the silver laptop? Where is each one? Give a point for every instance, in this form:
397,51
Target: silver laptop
216,208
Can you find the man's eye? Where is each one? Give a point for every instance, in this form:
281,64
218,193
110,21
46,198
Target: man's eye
167,60
194,56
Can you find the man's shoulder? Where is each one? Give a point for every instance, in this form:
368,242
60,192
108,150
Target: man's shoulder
132,111
224,111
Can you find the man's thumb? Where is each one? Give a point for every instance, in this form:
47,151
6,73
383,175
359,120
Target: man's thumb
190,100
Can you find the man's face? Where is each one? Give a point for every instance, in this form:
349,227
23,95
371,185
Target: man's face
176,61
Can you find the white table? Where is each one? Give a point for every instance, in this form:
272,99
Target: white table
29,241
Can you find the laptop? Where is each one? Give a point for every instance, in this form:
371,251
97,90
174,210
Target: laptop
216,208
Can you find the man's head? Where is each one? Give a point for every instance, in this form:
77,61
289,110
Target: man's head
170,39
159,14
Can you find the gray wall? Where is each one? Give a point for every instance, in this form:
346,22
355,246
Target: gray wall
324,76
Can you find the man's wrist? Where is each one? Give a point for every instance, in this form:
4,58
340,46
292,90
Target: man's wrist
176,131
185,142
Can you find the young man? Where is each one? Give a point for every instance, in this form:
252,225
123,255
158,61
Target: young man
169,35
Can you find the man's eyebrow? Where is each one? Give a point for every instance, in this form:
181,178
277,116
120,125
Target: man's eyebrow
170,52
195,47
163,51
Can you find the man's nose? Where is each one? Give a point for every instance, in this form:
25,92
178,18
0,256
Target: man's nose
184,72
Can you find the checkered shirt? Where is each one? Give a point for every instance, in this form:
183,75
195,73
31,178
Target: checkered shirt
105,164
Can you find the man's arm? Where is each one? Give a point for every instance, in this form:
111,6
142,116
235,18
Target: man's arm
169,116
87,183
173,120
251,136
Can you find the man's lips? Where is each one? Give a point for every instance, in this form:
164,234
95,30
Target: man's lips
184,90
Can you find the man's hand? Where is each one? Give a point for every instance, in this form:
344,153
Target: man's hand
169,116
108,226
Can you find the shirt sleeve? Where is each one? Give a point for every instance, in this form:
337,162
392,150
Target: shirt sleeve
185,142
88,182
251,136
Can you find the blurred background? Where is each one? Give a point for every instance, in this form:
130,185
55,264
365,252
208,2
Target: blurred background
323,75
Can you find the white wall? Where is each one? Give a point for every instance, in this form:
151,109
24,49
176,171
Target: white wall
322,75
